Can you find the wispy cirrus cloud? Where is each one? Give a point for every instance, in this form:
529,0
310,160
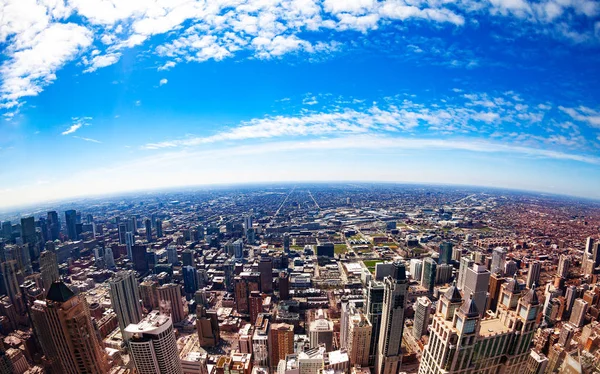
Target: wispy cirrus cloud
87,139
78,123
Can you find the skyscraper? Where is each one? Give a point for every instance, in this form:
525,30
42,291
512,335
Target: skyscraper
392,321
460,341
429,274
153,345
286,243
320,331
65,325
416,268
359,337
71,223
29,236
122,227
282,342
375,293
148,225
498,260
421,321
445,253
159,228
48,268
265,267
465,263
207,325
169,297
533,277
10,285
255,305
53,225
129,242
125,298
476,284
7,230
564,264
190,280
578,312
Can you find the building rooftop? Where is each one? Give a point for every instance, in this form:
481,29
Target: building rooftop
492,326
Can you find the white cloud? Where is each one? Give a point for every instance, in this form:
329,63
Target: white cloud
74,127
102,61
87,139
28,69
163,82
583,114
39,42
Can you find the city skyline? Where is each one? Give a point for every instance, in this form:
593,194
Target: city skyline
115,96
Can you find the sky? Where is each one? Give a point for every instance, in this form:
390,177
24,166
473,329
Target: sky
108,96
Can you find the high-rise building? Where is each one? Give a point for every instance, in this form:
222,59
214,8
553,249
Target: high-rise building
29,236
498,260
510,268
159,228
578,312
533,277
465,263
172,254
207,325
140,258
125,298
190,280
7,230
461,342
65,328
71,223
496,281
476,284
564,263
261,340
421,321
149,294
187,257
48,268
153,345
445,253
129,242
148,225
10,285
416,268
375,293
109,258
169,298
255,305
243,284
238,249
443,273
536,363
122,230
359,337
282,342
286,243
247,222
429,274
320,331
265,267
284,286
392,321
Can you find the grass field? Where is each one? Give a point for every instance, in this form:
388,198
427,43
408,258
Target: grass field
340,248
370,264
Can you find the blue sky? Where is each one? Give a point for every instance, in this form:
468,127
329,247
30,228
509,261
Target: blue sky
102,96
